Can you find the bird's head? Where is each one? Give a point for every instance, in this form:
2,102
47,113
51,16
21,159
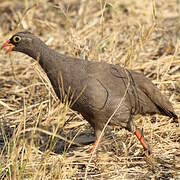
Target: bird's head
26,43
21,41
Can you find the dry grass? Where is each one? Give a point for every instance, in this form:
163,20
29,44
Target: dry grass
39,136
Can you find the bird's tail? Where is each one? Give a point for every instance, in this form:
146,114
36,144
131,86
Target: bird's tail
152,92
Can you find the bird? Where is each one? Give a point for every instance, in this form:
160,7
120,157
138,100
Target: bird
101,92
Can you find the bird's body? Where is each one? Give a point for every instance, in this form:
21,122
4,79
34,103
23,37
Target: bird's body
98,89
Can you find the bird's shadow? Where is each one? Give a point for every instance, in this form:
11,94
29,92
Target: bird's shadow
60,146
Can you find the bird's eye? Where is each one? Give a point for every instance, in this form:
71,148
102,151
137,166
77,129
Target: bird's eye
16,39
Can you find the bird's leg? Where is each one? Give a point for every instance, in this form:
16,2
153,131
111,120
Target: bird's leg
139,134
94,147
96,143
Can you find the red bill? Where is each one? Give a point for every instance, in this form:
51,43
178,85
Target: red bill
7,46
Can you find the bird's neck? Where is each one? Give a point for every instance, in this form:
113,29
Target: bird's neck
39,52
44,55
47,59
